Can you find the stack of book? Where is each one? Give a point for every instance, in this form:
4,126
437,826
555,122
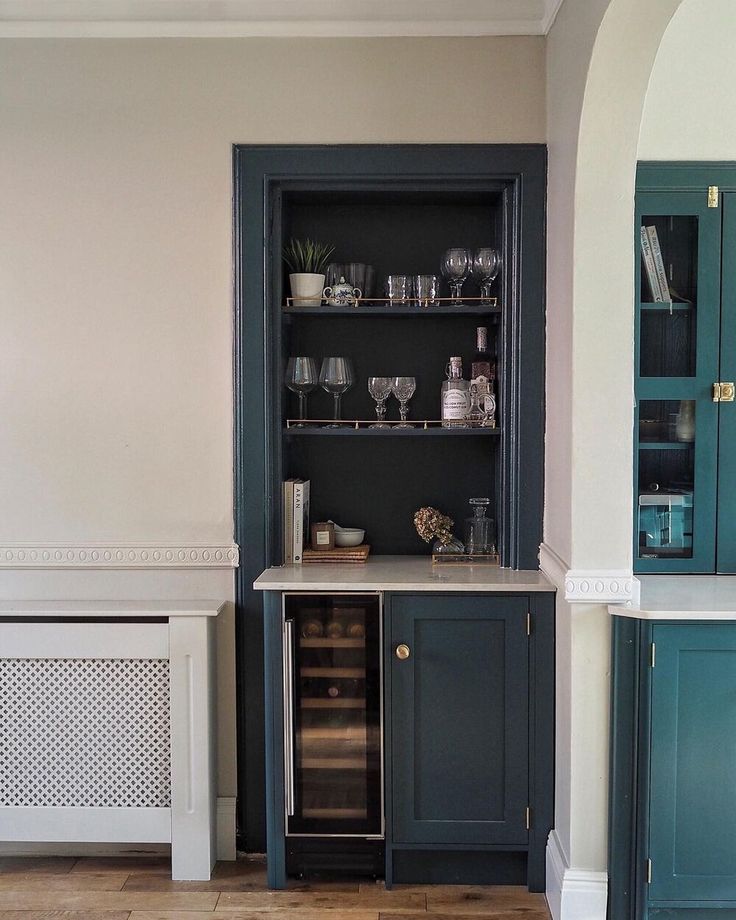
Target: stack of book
296,519
651,254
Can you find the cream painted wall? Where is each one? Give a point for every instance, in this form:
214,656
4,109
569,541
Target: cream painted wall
115,266
690,108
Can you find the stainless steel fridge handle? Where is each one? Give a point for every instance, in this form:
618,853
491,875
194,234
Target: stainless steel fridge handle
288,665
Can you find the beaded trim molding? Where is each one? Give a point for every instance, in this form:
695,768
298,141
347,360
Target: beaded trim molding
119,556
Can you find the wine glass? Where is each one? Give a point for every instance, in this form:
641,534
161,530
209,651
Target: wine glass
456,266
336,377
301,378
380,389
403,389
486,264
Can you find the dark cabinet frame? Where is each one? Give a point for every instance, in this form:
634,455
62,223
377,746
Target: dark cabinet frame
262,174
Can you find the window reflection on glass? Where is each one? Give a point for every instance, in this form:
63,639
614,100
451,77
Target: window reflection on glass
666,478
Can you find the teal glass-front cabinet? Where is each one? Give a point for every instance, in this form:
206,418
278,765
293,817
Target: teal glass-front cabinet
685,418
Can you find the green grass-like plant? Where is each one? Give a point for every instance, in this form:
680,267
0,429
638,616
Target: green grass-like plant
307,256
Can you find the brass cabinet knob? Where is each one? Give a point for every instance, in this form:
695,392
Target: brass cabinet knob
402,652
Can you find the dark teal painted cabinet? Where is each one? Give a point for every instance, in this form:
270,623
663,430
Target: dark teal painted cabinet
672,840
459,720
470,735
692,804
685,419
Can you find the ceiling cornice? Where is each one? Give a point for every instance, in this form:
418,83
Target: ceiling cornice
274,18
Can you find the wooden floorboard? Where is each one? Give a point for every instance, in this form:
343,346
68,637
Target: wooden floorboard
140,888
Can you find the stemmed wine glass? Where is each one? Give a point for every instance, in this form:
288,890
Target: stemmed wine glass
380,389
486,264
336,377
301,378
456,266
403,389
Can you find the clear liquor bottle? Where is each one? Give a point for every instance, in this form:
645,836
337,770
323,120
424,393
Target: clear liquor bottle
455,396
482,380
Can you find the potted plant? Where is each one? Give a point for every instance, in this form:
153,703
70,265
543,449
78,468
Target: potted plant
307,261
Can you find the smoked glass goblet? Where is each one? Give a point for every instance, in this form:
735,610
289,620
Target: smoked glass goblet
403,389
301,378
486,264
380,390
336,377
456,266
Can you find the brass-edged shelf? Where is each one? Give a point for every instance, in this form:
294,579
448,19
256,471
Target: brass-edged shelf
321,427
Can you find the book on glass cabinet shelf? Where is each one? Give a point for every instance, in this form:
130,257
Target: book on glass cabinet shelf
649,267
659,264
296,519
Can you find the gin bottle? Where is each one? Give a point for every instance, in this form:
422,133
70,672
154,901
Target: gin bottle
482,379
455,397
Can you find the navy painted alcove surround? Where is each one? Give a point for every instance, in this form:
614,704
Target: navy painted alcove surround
488,194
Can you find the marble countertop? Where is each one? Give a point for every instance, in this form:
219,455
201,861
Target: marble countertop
399,573
683,597
80,609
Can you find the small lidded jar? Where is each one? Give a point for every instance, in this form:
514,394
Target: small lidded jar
323,535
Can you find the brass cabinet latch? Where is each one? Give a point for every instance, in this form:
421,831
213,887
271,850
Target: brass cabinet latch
712,196
724,392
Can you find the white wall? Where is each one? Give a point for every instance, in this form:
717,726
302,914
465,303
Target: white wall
115,266
690,107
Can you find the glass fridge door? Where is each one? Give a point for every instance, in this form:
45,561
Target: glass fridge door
333,715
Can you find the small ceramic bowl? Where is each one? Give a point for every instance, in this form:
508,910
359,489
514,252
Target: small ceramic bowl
349,536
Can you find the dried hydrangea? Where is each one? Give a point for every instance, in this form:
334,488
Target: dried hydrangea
432,524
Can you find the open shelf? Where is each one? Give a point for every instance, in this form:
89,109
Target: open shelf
395,432
664,306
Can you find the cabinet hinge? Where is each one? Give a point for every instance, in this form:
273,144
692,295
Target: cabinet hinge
649,872
712,196
652,655
528,817
528,624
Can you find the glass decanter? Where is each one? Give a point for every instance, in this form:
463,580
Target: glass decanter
479,529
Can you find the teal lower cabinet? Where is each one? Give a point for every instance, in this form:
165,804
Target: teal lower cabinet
673,771
469,693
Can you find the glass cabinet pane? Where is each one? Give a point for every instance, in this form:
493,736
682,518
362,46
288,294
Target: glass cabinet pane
336,739
666,479
668,296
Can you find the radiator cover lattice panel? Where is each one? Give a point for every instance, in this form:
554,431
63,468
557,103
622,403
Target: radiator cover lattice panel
85,732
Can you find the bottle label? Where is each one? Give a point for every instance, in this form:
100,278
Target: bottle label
455,404
323,537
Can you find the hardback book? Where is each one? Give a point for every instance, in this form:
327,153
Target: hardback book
659,264
300,519
650,270
288,518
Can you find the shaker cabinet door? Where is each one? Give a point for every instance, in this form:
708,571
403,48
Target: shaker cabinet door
692,811
459,719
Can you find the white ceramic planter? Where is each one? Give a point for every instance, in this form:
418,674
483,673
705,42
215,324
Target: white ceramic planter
306,289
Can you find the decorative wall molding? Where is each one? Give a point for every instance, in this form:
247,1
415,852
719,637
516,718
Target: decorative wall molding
602,586
573,894
273,18
553,565
589,586
119,556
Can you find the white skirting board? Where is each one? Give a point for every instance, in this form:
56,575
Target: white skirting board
225,842
573,894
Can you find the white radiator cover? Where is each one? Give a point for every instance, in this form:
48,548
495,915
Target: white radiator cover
85,732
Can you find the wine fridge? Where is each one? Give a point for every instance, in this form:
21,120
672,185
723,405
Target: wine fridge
333,750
